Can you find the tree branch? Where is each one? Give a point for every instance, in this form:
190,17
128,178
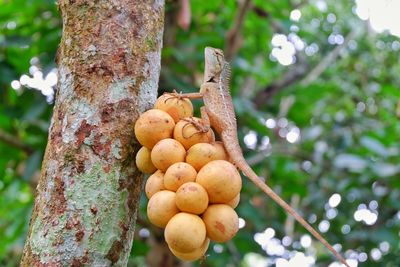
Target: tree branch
301,71
293,75
233,40
15,142
327,60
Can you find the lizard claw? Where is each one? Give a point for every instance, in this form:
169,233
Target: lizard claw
199,125
173,95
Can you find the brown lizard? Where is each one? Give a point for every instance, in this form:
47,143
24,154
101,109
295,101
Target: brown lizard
218,112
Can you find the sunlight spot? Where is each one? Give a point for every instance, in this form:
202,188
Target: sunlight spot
365,215
331,18
305,241
218,248
382,15
384,246
250,139
334,200
337,247
284,51
373,205
323,226
16,85
278,39
361,107
242,223
295,15
306,165
346,229
321,5
144,233
283,132
312,218
351,262
311,49
286,241
255,260
331,213
300,259
362,257
270,123
293,135
11,25
376,254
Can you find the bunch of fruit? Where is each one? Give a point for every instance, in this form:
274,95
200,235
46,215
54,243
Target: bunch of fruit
193,188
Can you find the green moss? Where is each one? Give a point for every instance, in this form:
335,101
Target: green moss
97,190
95,201
151,43
41,240
68,157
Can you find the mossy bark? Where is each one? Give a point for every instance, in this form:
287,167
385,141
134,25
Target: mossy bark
88,192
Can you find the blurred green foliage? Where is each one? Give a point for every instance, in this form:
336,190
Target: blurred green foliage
347,117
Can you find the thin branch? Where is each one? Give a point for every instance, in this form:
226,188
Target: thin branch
327,60
15,142
262,13
301,71
233,40
293,75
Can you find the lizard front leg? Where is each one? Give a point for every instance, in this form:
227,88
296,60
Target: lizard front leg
203,125
197,95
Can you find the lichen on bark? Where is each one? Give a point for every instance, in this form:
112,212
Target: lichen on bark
88,192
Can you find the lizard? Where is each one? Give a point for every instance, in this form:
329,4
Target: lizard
218,113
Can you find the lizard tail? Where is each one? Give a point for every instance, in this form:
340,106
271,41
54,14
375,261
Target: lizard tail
246,169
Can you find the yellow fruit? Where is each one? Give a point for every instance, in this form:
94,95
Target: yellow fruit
221,180
221,152
143,161
153,126
192,197
167,152
185,232
154,184
161,208
234,202
193,255
178,174
222,222
202,153
187,134
176,107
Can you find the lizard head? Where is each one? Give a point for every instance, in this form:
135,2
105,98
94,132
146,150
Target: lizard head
214,64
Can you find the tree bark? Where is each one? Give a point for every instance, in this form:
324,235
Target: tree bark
88,192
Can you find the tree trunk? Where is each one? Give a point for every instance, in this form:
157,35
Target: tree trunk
88,193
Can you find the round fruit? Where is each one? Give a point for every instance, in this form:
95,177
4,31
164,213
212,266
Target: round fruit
153,126
177,107
143,161
221,152
178,174
221,180
167,152
185,232
154,184
234,202
222,222
187,134
202,153
192,197
161,208
196,254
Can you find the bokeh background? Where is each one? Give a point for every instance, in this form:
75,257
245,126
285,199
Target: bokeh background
316,87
